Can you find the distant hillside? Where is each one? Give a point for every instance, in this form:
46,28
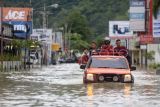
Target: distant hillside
98,12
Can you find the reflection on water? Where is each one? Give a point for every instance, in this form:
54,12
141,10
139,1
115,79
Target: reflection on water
90,95
89,89
127,89
62,86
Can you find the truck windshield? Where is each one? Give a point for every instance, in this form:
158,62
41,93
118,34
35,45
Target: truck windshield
117,63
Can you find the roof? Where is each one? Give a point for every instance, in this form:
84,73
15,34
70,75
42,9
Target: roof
109,56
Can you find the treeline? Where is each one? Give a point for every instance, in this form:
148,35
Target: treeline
86,18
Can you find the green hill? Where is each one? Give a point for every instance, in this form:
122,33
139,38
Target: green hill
97,12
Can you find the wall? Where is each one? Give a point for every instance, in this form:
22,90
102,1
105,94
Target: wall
156,48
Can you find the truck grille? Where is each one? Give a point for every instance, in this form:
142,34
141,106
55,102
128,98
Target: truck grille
109,77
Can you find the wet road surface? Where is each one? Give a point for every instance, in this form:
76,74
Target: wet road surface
62,86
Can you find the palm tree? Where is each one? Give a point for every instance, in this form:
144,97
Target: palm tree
156,7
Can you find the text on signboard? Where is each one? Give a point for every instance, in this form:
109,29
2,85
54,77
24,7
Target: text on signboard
15,15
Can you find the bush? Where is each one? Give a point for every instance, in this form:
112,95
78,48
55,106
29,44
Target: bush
1,67
9,57
154,66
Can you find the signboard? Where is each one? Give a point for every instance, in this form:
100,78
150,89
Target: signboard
119,29
20,28
16,14
156,25
7,30
21,20
137,15
55,47
58,38
35,38
143,47
137,3
44,35
146,39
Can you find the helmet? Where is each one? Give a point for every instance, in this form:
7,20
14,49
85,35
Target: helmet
107,40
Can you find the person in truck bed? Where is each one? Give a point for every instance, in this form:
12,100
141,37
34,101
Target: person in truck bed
106,47
122,50
93,50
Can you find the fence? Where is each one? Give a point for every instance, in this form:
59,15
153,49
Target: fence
10,65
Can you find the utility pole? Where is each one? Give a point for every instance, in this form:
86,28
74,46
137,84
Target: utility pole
1,28
150,16
44,16
44,28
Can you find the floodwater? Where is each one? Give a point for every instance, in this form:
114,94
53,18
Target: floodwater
61,86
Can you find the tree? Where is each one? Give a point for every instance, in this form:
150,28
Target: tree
77,42
77,23
156,6
97,13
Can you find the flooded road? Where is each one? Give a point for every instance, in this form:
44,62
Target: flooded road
62,86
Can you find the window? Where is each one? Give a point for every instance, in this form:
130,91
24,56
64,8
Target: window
116,63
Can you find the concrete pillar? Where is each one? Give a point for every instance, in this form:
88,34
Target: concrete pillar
140,57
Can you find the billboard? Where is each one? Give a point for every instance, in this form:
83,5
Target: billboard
137,15
21,20
119,29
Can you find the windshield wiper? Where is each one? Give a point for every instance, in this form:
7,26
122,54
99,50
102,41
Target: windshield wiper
103,67
120,68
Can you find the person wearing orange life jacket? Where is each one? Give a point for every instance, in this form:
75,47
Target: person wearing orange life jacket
122,50
106,47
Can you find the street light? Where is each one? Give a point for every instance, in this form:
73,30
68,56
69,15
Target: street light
54,5
45,14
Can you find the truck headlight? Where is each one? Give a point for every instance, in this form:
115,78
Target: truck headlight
90,77
127,78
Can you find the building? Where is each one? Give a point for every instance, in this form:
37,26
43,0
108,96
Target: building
6,36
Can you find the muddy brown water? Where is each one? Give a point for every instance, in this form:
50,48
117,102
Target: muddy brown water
61,86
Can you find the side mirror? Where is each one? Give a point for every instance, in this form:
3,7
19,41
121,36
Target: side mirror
82,66
133,68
